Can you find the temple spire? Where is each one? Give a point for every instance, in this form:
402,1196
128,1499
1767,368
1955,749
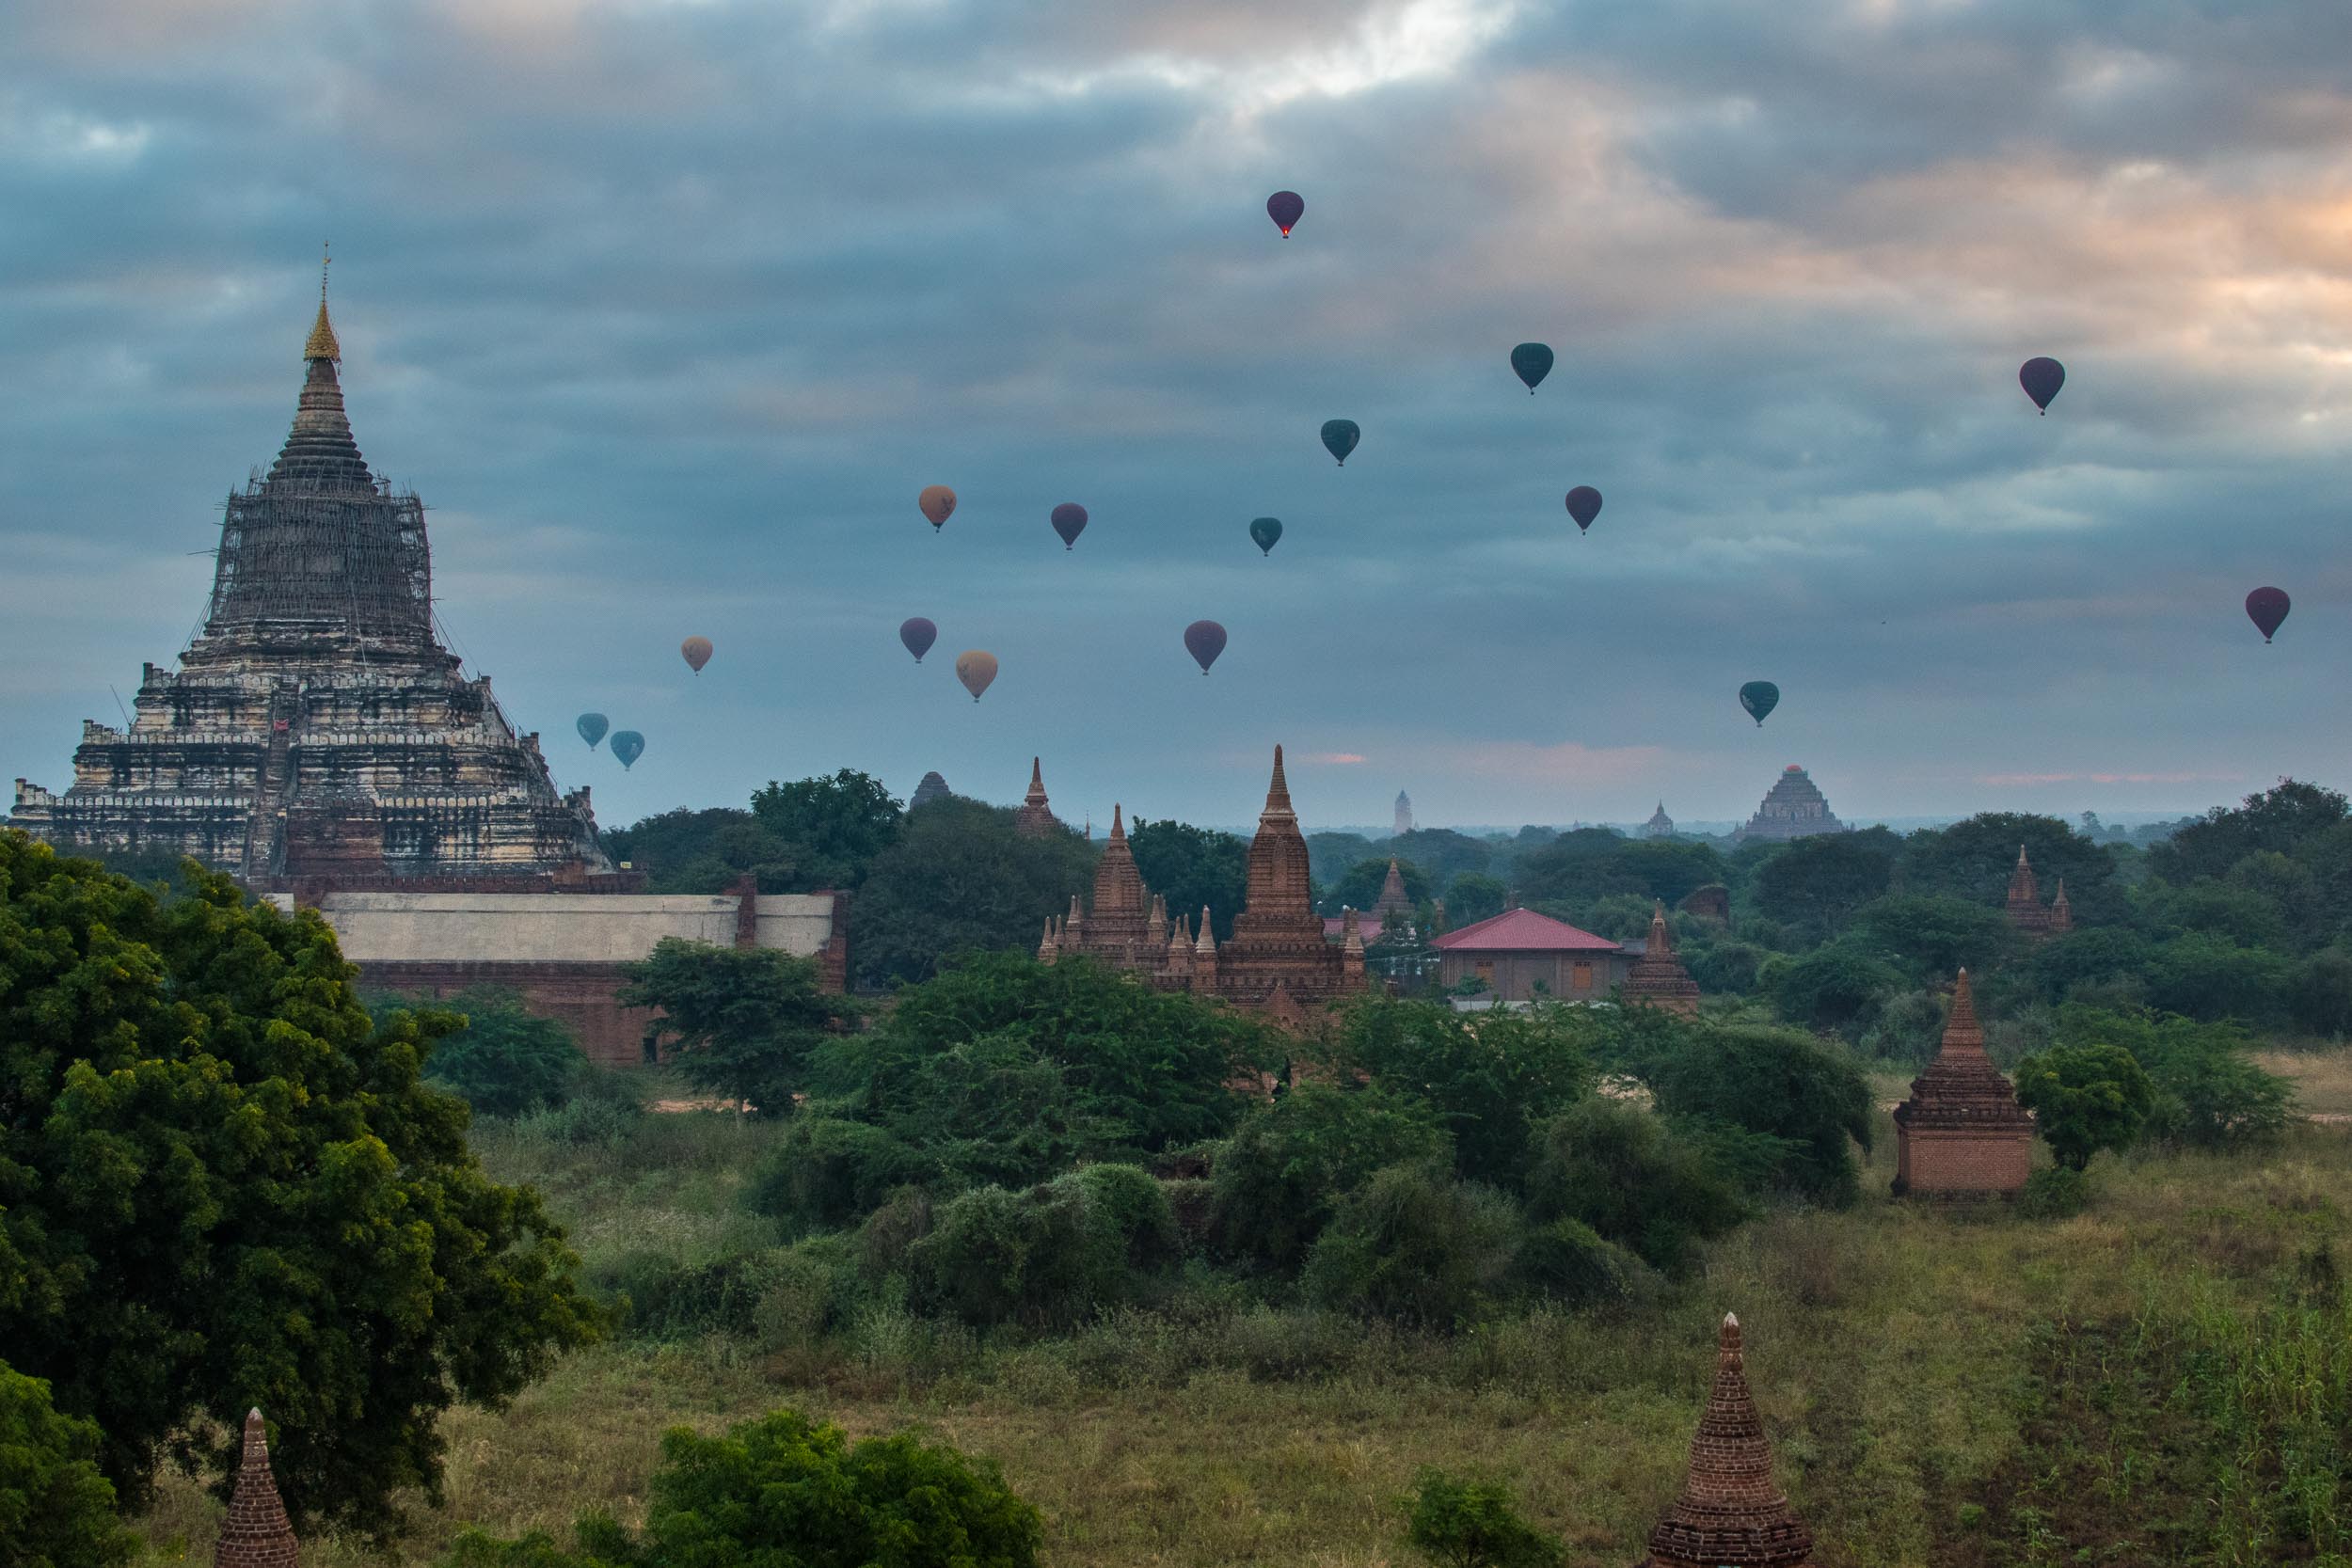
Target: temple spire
1278,792
256,1533
320,343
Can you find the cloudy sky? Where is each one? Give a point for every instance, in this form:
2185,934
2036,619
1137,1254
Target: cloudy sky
669,309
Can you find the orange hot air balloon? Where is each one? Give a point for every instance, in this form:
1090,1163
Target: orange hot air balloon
976,669
938,503
697,652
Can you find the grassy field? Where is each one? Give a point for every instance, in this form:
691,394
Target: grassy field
2162,1379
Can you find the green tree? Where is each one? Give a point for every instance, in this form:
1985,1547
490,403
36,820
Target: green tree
961,879
1818,883
1931,937
2287,819
1804,1097
1145,1069
744,1021
835,827
1634,1180
2211,977
1274,1184
56,1509
1417,1246
2209,1091
2085,1097
785,1491
1838,986
503,1061
1468,1524
2322,997
1490,1078
1589,863
209,1153
705,851
1473,896
1441,853
1193,868
1328,854
1049,1256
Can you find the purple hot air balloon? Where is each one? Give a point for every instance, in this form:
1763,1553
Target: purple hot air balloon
918,634
1069,520
2266,608
1583,505
1205,641
1285,208
2042,377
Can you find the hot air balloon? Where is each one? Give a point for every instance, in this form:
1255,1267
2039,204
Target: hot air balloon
1583,505
1285,208
976,669
1266,531
628,746
1339,437
1069,520
918,634
1759,698
2266,608
1533,362
590,727
2041,378
1205,641
697,652
938,503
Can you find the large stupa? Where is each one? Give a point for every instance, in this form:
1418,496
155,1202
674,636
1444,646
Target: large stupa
1793,808
315,732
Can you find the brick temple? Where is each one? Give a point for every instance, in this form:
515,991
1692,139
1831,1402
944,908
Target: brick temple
1794,807
1730,1515
256,1533
1278,960
1961,1134
1658,976
315,732
2024,906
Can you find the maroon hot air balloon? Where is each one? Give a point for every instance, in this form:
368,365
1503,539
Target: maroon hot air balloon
918,634
1069,520
1205,641
1583,505
1285,208
2266,608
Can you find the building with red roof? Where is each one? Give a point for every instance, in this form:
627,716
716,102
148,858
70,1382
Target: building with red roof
1518,951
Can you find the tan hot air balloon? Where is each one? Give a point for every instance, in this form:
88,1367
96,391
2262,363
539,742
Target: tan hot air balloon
697,652
976,669
938,503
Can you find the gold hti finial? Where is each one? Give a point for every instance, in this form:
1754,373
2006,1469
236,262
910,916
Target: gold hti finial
322,344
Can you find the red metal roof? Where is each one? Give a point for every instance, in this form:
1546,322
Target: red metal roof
1523,931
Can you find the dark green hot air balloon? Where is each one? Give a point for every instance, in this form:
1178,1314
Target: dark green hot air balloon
1268,532
590,727
628,746
1533,362
1759,698
1339,437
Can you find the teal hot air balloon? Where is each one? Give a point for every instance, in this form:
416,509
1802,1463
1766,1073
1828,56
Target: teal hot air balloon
1533,361
1266,532
1759,698
628,746
590,727
1339,437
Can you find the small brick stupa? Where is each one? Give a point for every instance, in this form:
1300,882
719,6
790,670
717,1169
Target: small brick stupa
1730,1515
1035,818
1658,976
257,1533
1395,906
1961,1134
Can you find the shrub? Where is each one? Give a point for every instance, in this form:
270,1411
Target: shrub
1799,1102
784,1489
1274,1184
2321,999
809,1289
503,1061
669,1298
2056,1192
1836,987
2210,977
1621,1171
2209,1092
1466,1524
1726,968
826,1173
1415,1245
56,1510
1050,1257
1567,1260
2085,1097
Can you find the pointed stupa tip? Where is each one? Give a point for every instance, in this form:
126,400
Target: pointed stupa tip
1277,791
1208,938
1119,826
321,344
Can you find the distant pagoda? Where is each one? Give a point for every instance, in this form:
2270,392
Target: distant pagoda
1658,976
2024,908
1034,818
1660,825
1395,906
931,787
1794,808
1403,814
315,732
1961,1134
1730,1515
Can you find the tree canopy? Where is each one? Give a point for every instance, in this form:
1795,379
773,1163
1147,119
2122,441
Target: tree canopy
834,827
744,1021
961,879
1193,868
208,1151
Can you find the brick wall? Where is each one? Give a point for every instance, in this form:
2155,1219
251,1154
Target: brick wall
1935,1160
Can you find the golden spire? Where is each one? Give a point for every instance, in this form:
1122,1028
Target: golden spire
322,344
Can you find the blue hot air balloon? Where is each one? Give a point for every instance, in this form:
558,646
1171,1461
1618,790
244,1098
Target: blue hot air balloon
1533,361
1339,437
1265,532
628,746
590,727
